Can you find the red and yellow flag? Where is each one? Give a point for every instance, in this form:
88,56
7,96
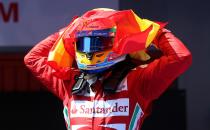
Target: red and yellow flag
133,35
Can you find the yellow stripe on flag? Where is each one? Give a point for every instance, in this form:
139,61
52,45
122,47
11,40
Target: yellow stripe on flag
60,56
145,24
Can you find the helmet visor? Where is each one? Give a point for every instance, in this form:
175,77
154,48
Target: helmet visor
93,44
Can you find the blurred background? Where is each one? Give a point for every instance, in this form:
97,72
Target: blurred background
26,105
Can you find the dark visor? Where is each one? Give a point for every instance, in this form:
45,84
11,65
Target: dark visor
93,43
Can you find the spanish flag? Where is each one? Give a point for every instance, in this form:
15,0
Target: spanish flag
133,35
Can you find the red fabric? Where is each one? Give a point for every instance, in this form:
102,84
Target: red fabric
144,84
131,44
128,29
36,60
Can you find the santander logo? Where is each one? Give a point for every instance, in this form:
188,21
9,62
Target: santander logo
100,108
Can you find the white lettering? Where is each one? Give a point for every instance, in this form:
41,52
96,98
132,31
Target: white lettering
100,108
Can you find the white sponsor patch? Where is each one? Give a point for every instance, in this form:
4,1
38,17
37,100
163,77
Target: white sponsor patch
112,126
76,127
100,108
115,126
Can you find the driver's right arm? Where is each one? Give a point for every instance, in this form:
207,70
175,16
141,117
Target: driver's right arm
36,61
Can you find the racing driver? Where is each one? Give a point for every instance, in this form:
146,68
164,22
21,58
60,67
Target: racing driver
108,67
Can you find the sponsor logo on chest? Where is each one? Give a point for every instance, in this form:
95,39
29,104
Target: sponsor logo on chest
100,108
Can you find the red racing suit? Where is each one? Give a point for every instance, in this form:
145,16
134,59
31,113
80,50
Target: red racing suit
127,108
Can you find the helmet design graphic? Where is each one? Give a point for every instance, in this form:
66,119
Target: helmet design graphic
94,50
94,43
